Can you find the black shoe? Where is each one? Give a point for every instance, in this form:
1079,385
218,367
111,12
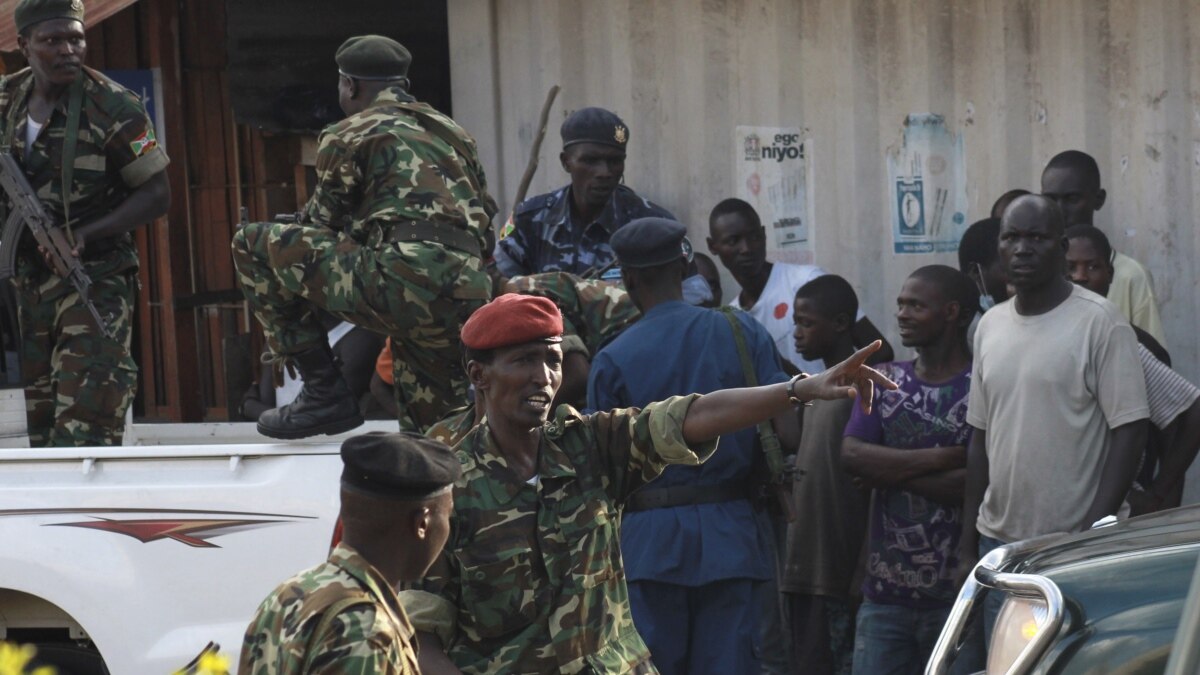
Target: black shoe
325,404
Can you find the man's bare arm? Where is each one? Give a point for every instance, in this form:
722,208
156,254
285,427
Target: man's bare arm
729,410
147,202
1120,467
1179,454
882,466
977,483
432,656
943,487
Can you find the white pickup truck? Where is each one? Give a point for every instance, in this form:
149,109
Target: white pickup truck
130,560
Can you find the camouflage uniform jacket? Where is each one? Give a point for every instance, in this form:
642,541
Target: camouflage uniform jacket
531,579
371,633
596,311
543,237
453,428
385,166
116,152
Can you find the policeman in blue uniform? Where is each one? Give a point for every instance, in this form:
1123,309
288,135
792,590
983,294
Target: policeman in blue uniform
568,230
693,552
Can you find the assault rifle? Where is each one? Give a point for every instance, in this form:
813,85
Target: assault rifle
27,211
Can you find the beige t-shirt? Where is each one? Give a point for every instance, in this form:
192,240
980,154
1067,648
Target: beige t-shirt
1047,389
1133,293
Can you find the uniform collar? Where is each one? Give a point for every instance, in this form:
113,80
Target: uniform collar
480,457
560,213
389,96
345,558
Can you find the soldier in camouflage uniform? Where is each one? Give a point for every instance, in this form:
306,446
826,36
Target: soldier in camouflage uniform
390,240
567,230
531,579
593,312
343,616
78,381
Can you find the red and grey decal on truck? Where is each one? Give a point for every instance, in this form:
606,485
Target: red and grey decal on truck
167,523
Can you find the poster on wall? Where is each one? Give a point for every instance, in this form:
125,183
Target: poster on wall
927,186
772,174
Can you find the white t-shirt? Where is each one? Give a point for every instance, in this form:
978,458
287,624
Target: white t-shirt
1048,389
32,129
774,309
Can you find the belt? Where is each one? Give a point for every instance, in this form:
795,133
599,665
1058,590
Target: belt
685,495
446,235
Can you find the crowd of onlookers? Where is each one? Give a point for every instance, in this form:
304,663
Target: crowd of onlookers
1033,405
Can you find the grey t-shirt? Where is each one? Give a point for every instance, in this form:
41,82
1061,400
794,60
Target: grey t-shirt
825,542
1048,389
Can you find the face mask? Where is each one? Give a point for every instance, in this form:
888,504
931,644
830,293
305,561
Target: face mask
696,290
986,301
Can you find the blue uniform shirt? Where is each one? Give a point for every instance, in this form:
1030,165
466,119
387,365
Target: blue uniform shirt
676,348
544,239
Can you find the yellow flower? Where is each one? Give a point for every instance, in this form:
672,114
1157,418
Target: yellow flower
14,658
213,664
210,663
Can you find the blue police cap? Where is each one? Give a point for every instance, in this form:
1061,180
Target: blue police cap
594,125
650,242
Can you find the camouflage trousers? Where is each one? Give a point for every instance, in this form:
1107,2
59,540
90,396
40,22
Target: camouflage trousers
78,382
418,294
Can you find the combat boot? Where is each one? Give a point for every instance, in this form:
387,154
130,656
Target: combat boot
325,404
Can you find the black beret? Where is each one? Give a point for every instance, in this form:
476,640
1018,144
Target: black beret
402,465
29,12
373,57
649,242
594,125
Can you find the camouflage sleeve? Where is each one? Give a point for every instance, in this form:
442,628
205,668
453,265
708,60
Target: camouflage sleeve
594,310
634,446
354,645
339,184
432,603
131,145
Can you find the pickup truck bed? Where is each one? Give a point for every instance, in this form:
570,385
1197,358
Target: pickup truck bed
147,552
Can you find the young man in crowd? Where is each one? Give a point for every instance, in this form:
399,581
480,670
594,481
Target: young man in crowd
693,554
824,543
1174,402
1072,179
1058,400
737,237
912,450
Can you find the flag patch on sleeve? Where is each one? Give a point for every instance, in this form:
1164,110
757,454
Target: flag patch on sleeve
144,143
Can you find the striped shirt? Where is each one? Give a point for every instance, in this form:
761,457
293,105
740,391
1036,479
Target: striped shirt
1167,392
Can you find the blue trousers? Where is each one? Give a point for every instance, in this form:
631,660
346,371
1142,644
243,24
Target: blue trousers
994,599
895,640
692,630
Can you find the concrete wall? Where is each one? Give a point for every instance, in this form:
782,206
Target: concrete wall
1020,79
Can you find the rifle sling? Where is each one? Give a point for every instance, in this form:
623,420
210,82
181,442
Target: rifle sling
772,448
70,138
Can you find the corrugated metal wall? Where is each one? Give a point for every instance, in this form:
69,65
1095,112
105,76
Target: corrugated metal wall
1020,79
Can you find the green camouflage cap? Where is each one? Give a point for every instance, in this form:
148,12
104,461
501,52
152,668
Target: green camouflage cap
373,57
29,12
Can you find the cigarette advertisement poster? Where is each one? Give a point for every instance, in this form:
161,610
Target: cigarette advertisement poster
928,187
773,175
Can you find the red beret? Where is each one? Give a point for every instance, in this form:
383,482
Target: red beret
513,319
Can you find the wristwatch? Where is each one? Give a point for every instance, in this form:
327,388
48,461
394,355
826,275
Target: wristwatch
791,390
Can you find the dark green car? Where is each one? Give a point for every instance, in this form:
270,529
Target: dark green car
1118,599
